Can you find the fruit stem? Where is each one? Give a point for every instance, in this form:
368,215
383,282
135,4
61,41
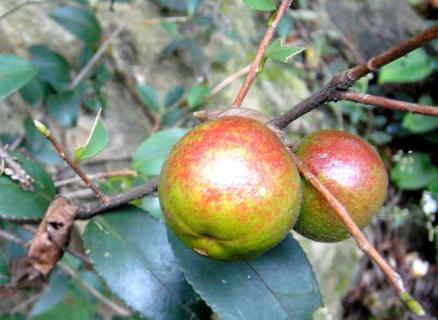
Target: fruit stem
364,245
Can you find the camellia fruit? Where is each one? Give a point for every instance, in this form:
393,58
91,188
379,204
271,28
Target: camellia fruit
352,171
229,189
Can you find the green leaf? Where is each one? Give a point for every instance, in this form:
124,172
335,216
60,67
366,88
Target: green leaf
171,117
281,52
197,96
38,146
130,251
149,97
64,108
14,73
433,188
53,293
412,68
284,26
4,269
261,5
15,203
53,68
103,75
78,21
150,156
97,141
277,285
414,171
418,123
32,92
173,96
74,305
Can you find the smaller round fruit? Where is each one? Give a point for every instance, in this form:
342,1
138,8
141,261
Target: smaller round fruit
229,189
353,172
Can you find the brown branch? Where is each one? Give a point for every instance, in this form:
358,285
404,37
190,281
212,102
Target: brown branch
362,242
285,4
89,210
99,175
344,80
388,103
76,168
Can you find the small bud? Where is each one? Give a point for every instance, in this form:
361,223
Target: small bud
42,128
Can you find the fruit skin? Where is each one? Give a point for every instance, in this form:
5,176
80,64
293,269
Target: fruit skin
229,189
354,173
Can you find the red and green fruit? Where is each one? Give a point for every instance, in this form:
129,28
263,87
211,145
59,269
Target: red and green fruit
229,189
353,172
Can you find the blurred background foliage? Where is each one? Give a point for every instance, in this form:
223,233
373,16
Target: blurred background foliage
168,60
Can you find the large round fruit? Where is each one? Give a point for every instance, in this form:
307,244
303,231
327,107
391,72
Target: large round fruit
352,171
229,189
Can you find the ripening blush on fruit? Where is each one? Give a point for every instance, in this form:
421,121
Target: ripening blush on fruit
354,173
229,189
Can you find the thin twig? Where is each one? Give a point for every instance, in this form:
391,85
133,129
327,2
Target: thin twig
96,57
89,210
388,103
362,242
153,21
344,80
99,175
95,293
19,6
260,53
228,80
76,168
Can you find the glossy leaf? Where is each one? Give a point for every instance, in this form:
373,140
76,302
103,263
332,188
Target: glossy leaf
97,141
149,97
14,73
197,95
32,92
411,68
414,171
4,269
129,250
78,21
150,156
15,203
53,68
281,52
262,5
171,117
277,285
64,108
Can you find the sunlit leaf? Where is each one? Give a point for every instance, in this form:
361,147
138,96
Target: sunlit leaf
14,73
